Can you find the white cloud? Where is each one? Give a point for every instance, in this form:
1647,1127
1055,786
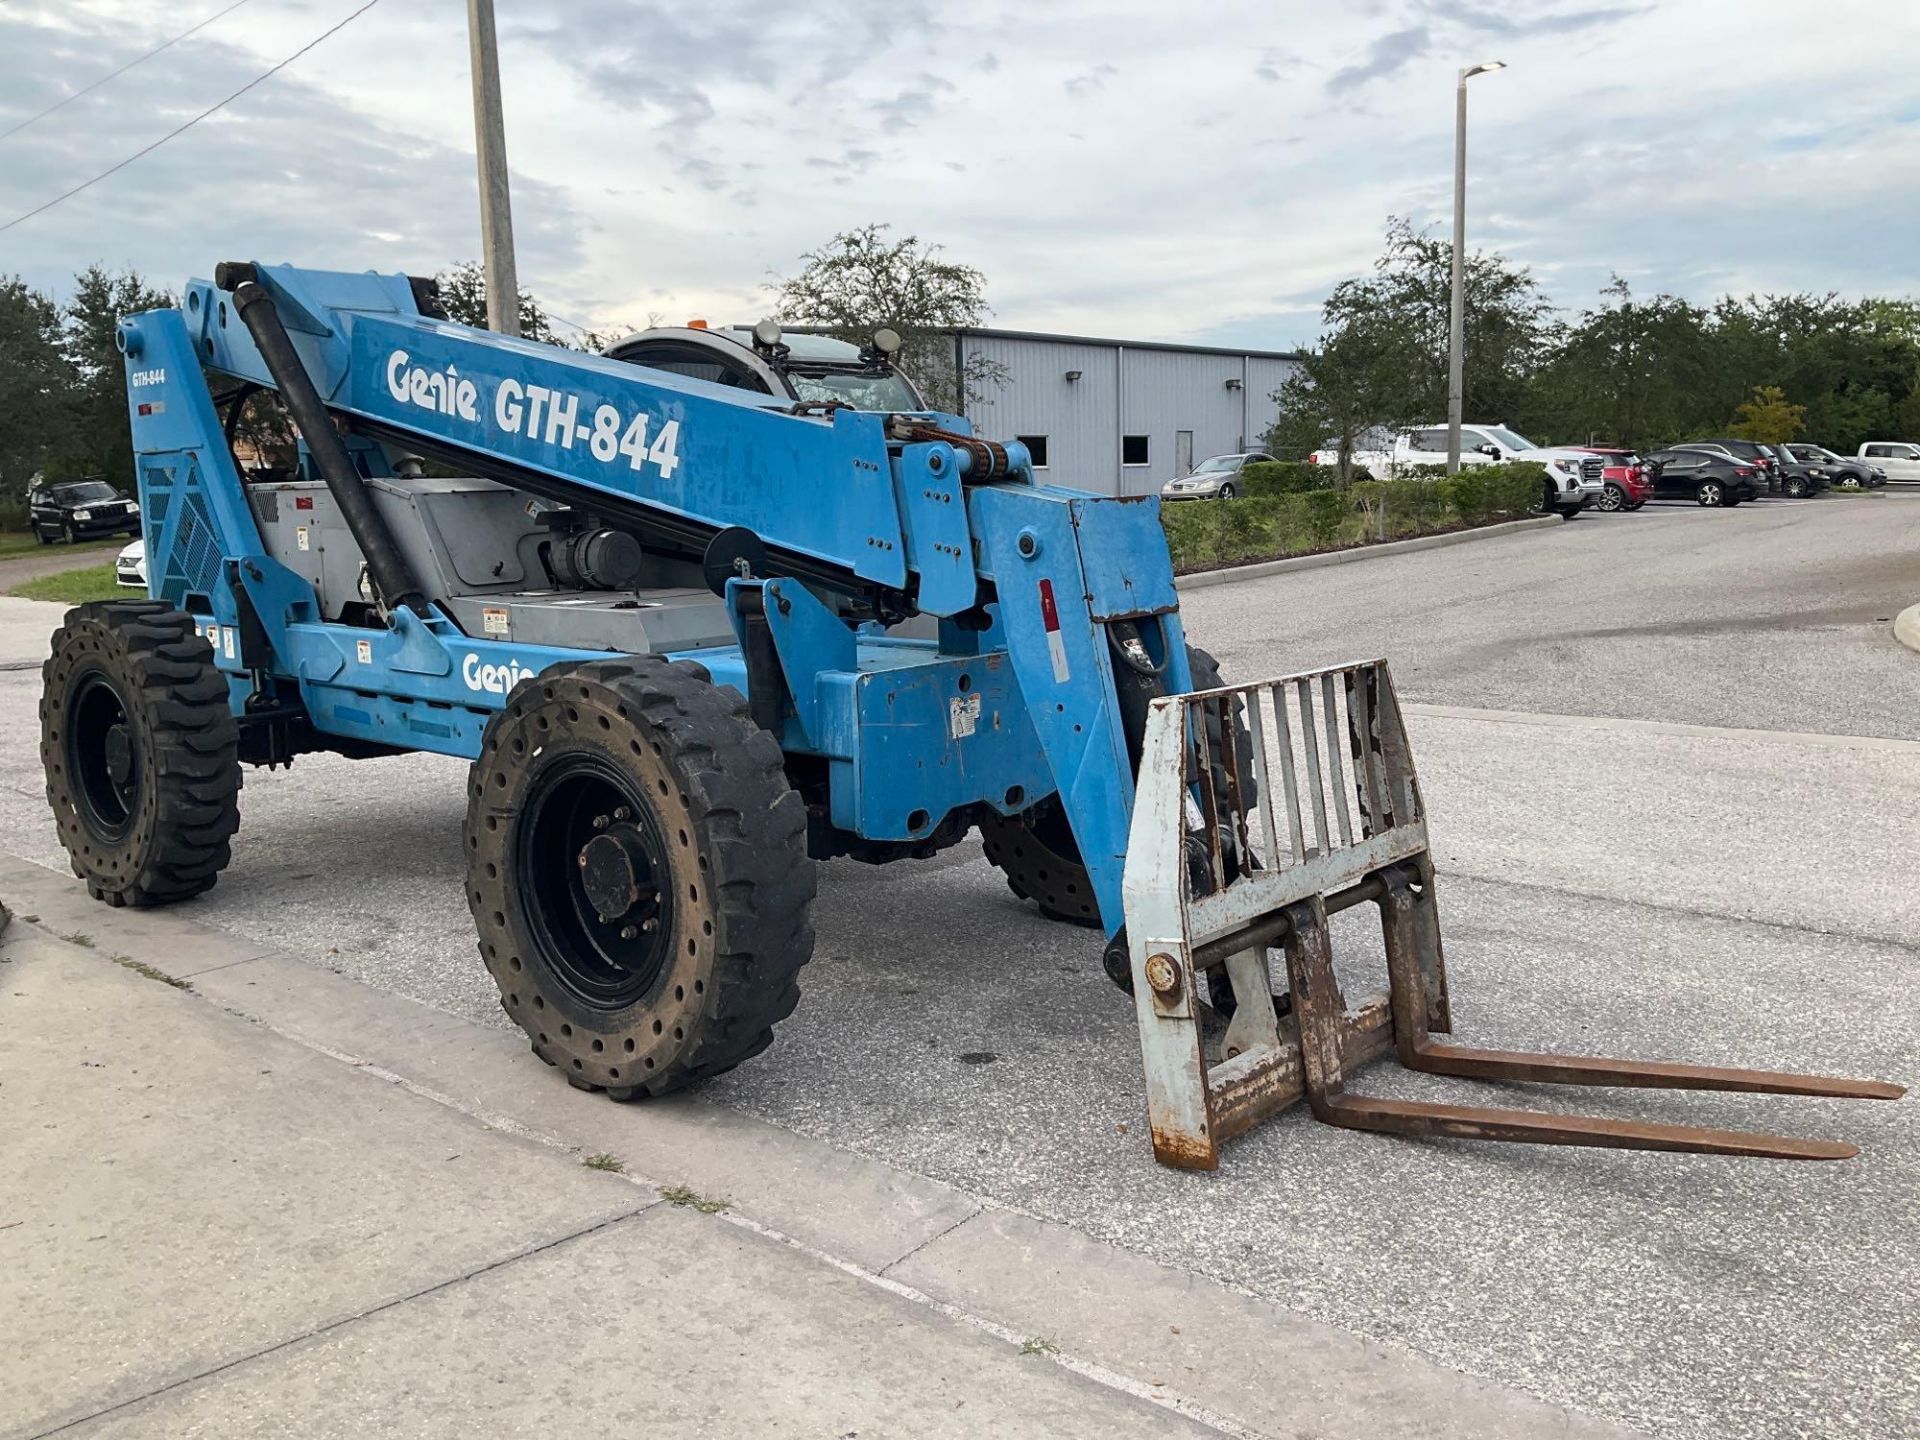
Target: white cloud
1124,168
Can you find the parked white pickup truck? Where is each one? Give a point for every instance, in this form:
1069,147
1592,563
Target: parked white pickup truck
1899,458
1574,477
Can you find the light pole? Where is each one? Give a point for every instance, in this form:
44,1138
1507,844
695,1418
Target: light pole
1456,340
490,141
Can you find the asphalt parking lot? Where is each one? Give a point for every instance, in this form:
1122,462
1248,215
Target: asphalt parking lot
1667,890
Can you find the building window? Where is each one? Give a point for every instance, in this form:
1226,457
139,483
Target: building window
1133,450
1036,447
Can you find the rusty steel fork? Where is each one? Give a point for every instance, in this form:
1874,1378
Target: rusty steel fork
1411,932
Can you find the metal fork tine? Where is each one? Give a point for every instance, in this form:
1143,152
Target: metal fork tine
1417,1117
1441,1059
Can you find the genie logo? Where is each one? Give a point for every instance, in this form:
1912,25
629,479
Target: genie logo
492,679
442,391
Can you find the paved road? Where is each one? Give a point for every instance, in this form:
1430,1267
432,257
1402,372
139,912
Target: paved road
27,565
1650,890
1772,615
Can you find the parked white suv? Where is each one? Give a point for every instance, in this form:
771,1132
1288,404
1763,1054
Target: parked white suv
1899,458
1575,478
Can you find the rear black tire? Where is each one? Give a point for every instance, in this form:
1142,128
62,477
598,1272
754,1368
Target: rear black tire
141,752
1711,493
637,789
1036,851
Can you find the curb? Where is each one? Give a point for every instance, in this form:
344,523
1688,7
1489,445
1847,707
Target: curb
1906,627
1201,579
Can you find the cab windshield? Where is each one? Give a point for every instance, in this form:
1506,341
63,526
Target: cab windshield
858,388
1217,462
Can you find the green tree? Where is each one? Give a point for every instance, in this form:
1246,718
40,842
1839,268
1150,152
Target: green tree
861,280
102,441
463,295
1768,418
1629,372
1360,378
1382,358
37,387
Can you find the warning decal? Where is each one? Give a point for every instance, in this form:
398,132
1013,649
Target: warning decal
1056,643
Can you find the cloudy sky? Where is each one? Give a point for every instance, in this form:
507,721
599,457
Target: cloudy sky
1201,171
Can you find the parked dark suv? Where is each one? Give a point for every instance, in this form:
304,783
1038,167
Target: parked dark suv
80,510
1742,452
1702,477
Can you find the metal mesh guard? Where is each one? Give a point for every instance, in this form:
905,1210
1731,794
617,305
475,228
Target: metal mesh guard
1315,791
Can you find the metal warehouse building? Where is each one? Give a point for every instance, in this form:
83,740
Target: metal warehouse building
1121,417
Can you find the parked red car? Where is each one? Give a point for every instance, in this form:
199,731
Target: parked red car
1629,481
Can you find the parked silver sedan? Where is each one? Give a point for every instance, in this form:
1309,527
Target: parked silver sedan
1215,478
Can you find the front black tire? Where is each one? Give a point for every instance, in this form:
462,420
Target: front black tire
1796,488
638,874
1226,492
67,533
141,752
1613,498
1711,493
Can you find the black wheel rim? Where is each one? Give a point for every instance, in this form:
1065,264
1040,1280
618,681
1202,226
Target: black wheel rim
593,880
103,757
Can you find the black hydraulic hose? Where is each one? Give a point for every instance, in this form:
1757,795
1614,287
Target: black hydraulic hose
392,578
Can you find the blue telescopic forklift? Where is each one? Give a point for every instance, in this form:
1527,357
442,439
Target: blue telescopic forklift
695,639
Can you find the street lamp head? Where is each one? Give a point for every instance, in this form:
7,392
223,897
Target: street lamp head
1484,68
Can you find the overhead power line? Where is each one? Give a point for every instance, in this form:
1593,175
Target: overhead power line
188,125
116,74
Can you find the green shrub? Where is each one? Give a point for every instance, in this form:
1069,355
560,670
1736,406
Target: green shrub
13,512
1283,477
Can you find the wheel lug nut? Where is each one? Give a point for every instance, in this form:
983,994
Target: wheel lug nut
600,822
622,813
627,932
583,859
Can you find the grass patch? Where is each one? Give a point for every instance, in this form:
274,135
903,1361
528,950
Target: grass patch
80,938
20,542
141,968
1039,1345
613,1164
691,1200
74,587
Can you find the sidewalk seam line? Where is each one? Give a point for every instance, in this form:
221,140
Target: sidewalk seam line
333,1325
979,1209
1850,935
1824,740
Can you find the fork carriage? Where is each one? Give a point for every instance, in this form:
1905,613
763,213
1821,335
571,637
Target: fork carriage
1313,807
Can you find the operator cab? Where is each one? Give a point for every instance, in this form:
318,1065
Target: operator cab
810,369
